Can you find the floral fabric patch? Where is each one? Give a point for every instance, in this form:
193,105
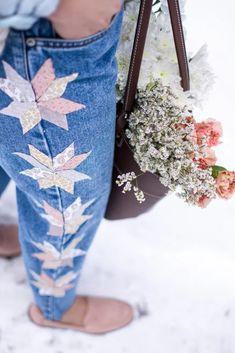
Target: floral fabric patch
69,221
52,258
39,99
58,171
48,286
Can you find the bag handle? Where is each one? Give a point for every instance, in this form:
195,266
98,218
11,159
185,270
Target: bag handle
138,50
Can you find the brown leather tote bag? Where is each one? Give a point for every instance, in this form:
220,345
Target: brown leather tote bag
121,205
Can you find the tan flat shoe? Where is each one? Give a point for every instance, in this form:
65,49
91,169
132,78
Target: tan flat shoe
89,314
9,242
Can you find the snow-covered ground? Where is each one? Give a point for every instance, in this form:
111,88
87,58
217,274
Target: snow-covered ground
177,263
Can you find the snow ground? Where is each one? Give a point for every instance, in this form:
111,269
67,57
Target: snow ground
177,263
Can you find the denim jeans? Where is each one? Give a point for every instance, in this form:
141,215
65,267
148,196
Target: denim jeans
57,129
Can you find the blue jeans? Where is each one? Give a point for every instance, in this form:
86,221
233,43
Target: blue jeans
57,129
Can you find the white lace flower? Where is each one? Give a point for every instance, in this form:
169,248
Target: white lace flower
161,132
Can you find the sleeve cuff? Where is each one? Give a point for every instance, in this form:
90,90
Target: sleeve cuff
24,20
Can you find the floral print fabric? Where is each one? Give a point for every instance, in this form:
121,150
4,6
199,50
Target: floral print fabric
58,171
53,259
39,99
48,286
72,217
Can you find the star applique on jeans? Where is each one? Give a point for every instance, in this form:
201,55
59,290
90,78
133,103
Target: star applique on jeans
39,99
53,259
70,220
58,171
48,286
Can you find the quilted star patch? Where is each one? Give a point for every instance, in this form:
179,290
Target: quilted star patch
58,171
48,286
52,258
38,99
69,221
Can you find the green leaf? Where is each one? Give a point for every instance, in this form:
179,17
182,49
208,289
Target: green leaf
150,86
216,169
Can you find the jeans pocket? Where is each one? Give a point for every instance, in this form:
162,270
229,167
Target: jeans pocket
58,42
58,36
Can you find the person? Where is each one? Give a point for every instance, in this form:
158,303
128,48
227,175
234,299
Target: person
57,131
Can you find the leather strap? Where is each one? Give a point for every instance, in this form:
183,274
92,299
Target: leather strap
138,50
178,33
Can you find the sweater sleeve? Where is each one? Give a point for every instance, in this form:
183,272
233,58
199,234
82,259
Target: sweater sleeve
21,14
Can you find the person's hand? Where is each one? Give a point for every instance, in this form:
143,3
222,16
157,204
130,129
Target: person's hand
75,19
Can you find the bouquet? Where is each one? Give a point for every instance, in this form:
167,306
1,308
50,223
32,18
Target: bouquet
164,135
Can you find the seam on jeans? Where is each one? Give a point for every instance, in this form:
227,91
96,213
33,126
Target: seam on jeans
47,299
60,207
50,307
25,61
47,306
55,43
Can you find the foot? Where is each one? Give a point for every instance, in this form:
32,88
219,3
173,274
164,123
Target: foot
89,314
9,243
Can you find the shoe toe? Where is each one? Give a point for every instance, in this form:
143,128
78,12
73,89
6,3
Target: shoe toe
105,315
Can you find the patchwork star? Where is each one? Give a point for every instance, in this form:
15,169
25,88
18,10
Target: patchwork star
52,258
38,99
48,286
69,221
58,171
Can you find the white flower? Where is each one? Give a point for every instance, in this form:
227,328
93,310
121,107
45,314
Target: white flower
159,58
201,79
